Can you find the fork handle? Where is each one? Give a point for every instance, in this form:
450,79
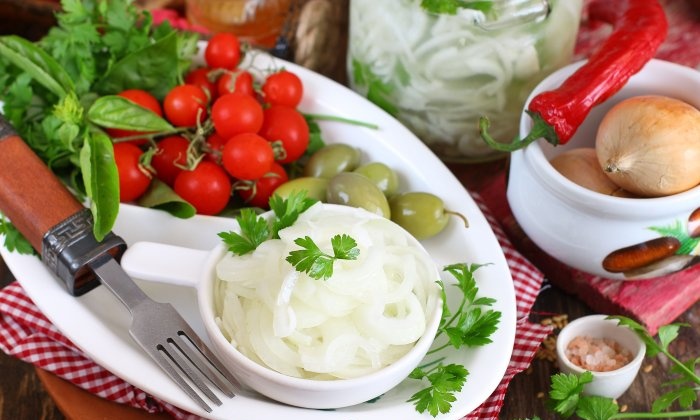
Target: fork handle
48,215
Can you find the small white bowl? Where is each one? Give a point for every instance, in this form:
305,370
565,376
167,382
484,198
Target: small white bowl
197,269
611,384
580,227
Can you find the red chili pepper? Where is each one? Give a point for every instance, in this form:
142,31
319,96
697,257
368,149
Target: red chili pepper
639,28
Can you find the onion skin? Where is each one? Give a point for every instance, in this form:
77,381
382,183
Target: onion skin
650,145
582,168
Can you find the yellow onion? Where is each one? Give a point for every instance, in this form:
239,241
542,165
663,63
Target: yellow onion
650,145
581,167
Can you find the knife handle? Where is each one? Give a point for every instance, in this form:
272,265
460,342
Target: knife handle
48,215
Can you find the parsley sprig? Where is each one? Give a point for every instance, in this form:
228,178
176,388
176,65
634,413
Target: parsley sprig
471,325
318,264
566,398
255,229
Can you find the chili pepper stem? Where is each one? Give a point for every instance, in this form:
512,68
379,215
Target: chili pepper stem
540,129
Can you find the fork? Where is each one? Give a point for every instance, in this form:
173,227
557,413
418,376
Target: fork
61,230
167,338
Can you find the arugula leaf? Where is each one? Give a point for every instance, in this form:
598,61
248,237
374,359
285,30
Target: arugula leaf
101,181
316,263
254,231
445,381
114,111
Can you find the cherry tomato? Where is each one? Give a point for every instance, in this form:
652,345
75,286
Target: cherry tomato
238,81
170,158
236,113
133,178
223,51
184,103
283,88
143,99
214,147
287,125
261,190
200,77
206,187
247,156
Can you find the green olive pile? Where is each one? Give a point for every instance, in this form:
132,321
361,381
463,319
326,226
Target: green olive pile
334,174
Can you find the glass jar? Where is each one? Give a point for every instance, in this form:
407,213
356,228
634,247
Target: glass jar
256,22
438,73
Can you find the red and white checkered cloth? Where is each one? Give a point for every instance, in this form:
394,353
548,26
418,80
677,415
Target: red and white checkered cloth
26,334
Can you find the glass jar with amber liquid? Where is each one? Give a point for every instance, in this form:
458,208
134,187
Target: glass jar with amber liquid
255,22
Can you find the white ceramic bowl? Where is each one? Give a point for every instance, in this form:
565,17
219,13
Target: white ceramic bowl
580,227
196,268
611,384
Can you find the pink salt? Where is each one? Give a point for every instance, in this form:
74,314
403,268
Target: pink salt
597,354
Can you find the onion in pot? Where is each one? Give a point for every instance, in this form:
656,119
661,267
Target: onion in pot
582,168
650,145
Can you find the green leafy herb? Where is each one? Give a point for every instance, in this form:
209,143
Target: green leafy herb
469,326
254,231
451,7
445,381
566,398
377,91
14,241
97,48
318,264
288,210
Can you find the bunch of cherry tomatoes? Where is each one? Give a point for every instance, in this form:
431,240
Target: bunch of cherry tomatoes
242,134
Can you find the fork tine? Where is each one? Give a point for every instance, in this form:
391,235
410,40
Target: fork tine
159,356
209,369
194,376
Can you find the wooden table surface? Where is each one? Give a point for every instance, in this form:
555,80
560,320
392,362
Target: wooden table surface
28,394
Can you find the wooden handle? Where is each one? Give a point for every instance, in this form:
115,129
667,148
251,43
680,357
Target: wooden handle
31,196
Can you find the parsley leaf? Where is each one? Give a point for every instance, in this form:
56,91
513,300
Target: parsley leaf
254,231
14,241
445,381
566,390
316,263
287,210
469,326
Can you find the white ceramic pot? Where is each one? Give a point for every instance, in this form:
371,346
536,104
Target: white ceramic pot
580,227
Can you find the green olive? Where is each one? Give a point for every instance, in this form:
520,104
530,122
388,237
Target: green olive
314,187
381,175
356,190
422,214
331,160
